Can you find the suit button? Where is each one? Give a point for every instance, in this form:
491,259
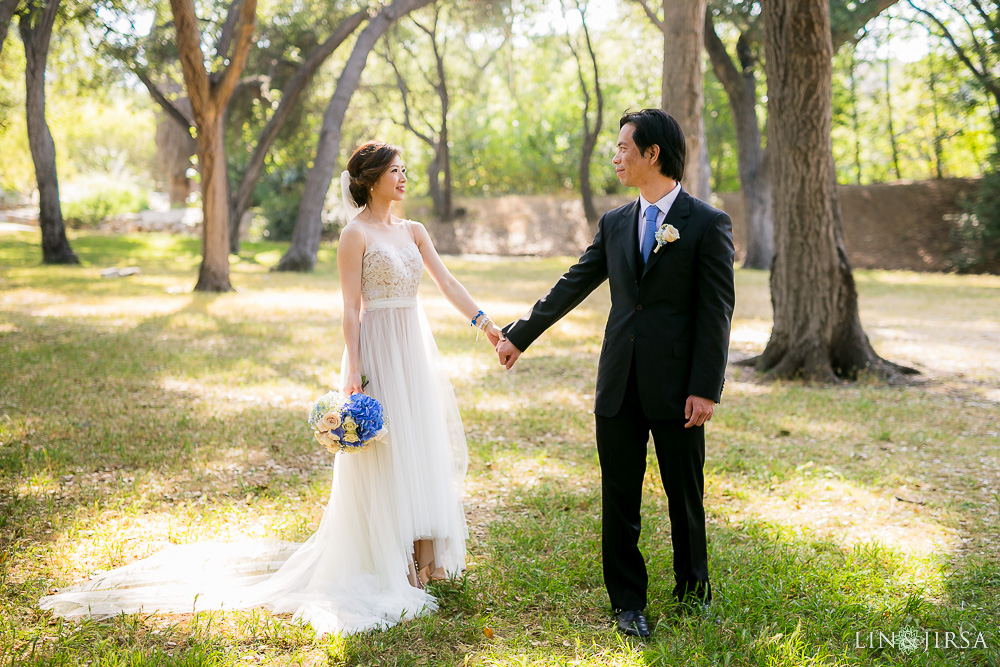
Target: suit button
631,338
639,307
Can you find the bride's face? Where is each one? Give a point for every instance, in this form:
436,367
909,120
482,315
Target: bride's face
392,184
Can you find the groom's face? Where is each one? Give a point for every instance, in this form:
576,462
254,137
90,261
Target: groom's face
631,167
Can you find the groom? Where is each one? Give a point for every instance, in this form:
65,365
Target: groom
669,260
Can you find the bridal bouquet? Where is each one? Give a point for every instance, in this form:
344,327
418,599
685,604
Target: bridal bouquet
347,423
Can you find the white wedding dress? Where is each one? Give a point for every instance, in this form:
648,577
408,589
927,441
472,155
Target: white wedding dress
357,571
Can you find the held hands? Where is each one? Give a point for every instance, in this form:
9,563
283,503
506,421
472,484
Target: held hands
493,334
507,353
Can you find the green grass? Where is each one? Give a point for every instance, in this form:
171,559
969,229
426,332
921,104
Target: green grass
134,414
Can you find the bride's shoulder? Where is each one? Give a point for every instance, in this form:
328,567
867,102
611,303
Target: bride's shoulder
353,234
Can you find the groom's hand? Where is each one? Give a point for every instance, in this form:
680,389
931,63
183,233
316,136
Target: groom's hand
698,410
507,353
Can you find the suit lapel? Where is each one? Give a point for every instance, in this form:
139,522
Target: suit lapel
676,216
630,218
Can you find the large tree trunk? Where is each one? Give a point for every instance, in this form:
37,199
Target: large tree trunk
35,26
817,333
242,198
209,95
301,254
213,276
740,85
683,29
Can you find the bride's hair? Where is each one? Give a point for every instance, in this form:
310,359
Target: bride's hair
367,164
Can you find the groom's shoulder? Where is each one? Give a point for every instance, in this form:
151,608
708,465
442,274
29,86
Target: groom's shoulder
703,209
623,210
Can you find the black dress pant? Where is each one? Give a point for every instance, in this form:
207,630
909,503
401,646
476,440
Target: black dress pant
680,452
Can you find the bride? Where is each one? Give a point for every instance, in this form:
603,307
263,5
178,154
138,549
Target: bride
395,519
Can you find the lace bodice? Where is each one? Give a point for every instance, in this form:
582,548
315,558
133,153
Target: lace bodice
390,272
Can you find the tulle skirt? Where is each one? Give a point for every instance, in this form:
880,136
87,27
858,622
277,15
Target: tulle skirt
356,572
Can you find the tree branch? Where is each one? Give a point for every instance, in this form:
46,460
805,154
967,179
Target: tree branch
722,64
862,14
189,52
240,50
651,14
403,91
168,107
228,31
597,77
982,76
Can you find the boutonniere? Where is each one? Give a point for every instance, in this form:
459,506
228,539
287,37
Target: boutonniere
664,235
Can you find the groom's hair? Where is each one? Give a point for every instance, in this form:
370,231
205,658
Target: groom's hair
655,127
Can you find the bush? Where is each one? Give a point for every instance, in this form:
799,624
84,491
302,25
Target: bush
104,202
977,230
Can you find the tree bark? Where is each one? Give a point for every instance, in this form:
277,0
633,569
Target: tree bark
35,25
682,96
209,94
817,333
755,183
301,254
591,132
242,198
7,10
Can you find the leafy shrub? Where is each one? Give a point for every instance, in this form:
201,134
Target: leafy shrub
977,230
104,202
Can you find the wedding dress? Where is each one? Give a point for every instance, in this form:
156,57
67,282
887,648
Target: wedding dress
357,571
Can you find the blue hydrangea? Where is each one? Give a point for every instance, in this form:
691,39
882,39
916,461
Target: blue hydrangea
367,413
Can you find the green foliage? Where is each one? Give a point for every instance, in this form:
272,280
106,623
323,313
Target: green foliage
977,231
278,195
104,201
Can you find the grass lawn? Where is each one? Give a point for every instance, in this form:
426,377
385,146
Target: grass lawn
135,414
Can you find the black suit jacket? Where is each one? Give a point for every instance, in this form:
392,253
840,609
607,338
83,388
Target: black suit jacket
672,315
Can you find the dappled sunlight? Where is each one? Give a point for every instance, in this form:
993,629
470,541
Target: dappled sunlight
847,514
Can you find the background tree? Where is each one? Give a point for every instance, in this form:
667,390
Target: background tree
739,79
209,94
817,332
683,27
301,254
35,23
593,118
432,132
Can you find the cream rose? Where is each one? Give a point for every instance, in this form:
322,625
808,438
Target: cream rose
329,421
670,234
350,425
328,439
351,437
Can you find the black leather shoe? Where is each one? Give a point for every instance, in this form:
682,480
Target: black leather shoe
632,622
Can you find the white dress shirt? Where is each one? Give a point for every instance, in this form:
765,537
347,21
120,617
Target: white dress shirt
664,205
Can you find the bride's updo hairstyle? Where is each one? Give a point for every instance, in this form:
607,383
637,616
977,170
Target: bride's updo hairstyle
368,163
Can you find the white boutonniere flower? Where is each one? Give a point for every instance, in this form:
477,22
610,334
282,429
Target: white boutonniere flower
664,235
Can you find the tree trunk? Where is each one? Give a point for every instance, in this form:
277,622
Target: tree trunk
817,333
214,273
889,113
683,29
740,84
7,10
855,121
209,95
35,26
243,196
301,254
591,131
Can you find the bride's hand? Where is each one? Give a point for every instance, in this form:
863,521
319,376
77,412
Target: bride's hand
353,384
493,334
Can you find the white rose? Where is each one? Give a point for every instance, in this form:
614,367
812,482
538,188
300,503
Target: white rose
670,233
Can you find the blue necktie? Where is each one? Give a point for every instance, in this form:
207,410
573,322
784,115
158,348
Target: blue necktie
649,233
